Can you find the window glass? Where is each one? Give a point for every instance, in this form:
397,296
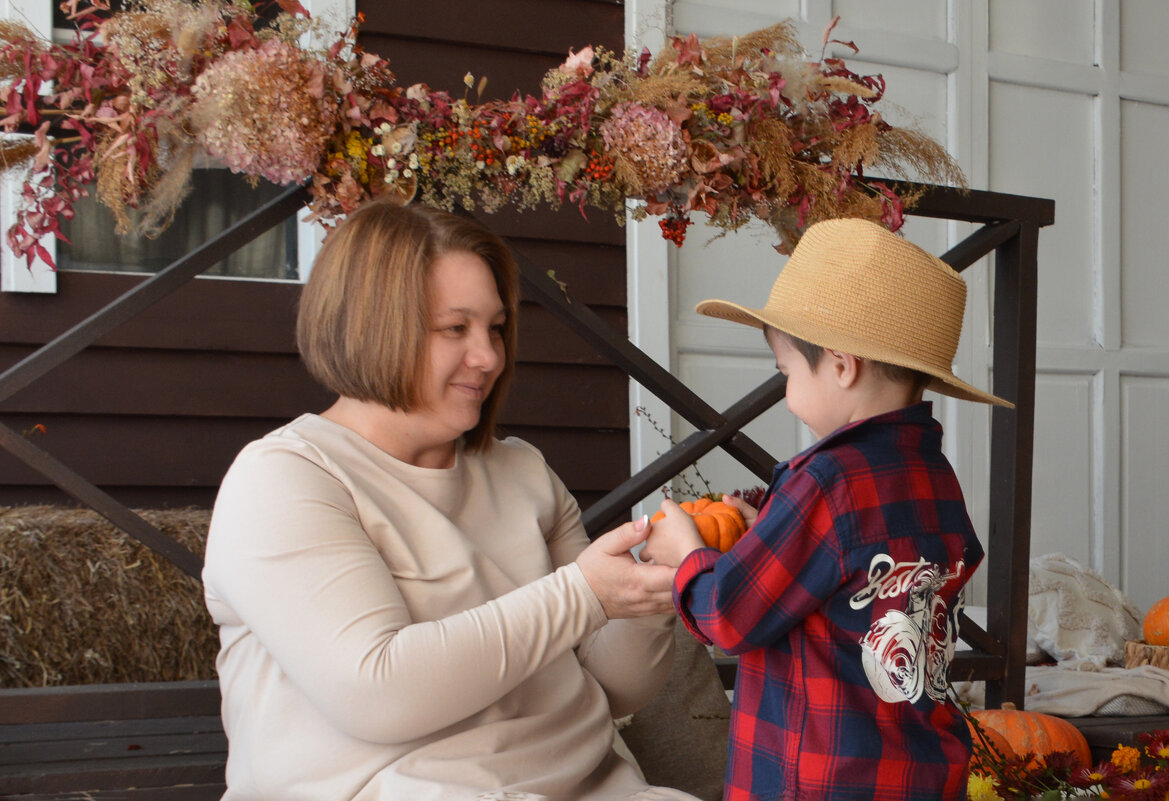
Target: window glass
218,199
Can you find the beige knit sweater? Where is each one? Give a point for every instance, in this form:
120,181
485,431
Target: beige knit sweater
397,632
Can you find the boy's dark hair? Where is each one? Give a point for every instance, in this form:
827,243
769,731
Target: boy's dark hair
891,372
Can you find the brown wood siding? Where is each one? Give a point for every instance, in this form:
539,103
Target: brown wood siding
155,411
510,42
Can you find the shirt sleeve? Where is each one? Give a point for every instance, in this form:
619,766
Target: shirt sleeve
288,556
782,570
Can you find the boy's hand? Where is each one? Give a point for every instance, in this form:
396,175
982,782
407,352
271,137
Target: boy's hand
672,538
750,513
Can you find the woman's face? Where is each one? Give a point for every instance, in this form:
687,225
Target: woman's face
464,349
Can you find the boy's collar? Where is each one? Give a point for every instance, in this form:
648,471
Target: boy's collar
914,413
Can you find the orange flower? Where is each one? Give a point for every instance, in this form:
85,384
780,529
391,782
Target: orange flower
1126,758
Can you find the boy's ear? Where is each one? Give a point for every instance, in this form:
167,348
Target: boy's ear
844,366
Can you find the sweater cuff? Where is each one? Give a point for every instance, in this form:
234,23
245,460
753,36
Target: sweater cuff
576,579
696,564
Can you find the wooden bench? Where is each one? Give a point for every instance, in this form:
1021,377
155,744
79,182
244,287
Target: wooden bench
1104,734
113,742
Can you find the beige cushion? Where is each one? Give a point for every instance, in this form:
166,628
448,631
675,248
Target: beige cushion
680,739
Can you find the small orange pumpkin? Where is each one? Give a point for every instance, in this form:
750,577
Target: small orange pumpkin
1157,623
1035,733
986,742
719,524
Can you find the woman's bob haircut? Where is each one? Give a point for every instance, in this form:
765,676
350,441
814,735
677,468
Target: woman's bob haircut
364,316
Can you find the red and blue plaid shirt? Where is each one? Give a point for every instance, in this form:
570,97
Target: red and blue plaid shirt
842,602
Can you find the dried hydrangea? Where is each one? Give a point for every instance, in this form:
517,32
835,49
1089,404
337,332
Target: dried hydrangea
158,43
265,111
647,139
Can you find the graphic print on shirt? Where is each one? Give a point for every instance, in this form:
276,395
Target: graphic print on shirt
907,651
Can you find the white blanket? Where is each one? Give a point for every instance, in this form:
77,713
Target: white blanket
1081,621
1076,617
1076,693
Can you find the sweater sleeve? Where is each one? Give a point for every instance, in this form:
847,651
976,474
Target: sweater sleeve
288,560
630,659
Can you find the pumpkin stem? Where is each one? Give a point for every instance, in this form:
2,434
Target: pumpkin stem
1008,706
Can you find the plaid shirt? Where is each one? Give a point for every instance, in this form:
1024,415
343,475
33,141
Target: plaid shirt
842,602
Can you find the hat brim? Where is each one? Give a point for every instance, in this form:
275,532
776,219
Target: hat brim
944,382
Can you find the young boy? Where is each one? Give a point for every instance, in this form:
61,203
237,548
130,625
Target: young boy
842,599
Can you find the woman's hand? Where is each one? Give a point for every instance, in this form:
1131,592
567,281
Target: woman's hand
749,512
672,538
624,586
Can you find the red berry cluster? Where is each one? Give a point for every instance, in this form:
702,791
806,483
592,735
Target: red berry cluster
674,228
599,167
481,146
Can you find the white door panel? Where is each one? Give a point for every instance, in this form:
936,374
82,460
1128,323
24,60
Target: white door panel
1025,125
1144,284
724,380
1144,542
1060,30
1063,482
1143,24
1065,99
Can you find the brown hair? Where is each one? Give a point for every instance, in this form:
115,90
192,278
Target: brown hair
364,314
916,379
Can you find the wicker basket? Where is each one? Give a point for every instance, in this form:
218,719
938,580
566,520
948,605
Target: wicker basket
1137,653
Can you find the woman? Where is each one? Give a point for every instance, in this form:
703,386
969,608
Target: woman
408,608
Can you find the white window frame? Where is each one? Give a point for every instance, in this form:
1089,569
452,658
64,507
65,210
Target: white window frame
15,274
648,271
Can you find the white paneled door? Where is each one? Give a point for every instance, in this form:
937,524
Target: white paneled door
1065,99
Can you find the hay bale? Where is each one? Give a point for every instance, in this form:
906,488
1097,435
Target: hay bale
83,603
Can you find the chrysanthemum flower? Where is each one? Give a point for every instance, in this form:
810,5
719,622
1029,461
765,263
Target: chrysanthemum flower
1126,758
264,112
1093,776
1061,763
1149,785
982,788
1156,743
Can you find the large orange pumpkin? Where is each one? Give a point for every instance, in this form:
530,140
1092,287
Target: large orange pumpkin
1034,732
1157,623
719,524
982,758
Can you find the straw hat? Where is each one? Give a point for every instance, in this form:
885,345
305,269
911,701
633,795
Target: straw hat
851,285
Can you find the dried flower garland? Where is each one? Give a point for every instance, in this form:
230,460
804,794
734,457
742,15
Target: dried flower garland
740,129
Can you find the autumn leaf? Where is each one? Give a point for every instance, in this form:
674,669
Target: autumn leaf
689,49
828,32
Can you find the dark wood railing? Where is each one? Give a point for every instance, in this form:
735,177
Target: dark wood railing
1010,229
